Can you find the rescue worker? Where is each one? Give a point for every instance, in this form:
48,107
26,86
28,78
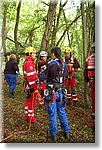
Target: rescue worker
54,94
41,67
70,82
30,84
89,75
11,71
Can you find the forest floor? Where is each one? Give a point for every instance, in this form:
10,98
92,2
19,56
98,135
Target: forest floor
18,130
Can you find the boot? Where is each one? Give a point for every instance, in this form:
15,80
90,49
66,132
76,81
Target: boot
53,139
11,95
66,135
50,138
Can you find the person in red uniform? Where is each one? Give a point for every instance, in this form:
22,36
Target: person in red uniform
42,62
89,75
30,85
70,82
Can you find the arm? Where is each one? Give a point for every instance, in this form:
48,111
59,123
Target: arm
76,64
15,66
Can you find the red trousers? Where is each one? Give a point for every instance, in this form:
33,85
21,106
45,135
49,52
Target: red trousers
30,105
92,94
71,86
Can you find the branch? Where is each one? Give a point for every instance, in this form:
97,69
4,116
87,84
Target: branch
31,32
15,42
67,29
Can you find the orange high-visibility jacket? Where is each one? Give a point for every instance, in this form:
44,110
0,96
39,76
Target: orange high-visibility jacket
30,73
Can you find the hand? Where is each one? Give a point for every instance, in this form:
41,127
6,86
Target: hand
70,65
41,102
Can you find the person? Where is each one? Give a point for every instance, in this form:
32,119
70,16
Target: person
89,76
42,62
30,84
55,73
70,82
10,72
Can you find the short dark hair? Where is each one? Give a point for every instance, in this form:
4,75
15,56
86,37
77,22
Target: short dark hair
56,51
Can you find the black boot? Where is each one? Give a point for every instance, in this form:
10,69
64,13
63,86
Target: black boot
53,139
50,138
66,135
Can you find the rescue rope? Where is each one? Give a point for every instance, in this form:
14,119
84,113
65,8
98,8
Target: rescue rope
19,132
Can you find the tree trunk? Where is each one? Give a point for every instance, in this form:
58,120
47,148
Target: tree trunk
4,29
84,48
56,23
48,25
16,26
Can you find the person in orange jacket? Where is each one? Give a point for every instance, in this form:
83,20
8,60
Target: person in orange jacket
30,84
70,82
89,76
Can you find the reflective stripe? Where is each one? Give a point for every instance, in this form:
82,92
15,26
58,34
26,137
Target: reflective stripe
30,111
29,73
26,107
75,99
74,95
26,112
30,83
90,57
69,94
91,67
31,114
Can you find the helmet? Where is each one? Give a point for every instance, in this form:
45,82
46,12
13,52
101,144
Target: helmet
67,50
30,50
93,45
43,53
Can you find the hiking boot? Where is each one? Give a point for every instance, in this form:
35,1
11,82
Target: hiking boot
66,135
50,138
11,95
53,139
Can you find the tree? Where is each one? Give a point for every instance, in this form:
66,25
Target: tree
16,25
48,25
4,29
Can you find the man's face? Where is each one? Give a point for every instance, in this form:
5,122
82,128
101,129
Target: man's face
33,55
67,54
53,55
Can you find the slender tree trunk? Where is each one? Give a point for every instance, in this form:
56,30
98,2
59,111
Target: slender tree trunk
4,29
55,29
84,48
48,25
16,26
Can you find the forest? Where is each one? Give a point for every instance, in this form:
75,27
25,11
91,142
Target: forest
44,24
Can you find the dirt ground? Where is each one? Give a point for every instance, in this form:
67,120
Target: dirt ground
17,129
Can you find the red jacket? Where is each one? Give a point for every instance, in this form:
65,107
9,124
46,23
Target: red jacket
89,69
30,73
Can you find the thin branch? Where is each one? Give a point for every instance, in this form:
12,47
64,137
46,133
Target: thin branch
30,32
15,42
67,29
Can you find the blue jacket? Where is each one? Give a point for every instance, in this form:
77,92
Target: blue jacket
52,70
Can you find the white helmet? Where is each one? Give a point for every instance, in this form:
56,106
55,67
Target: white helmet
43,53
